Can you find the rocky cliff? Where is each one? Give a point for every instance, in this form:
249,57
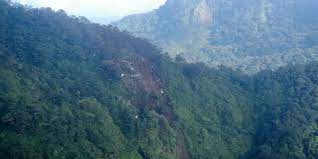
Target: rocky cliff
250,35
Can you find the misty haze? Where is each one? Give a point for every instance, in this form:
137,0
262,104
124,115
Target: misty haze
159,79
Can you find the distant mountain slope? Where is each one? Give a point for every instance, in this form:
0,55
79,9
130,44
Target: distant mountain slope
250,35
70,89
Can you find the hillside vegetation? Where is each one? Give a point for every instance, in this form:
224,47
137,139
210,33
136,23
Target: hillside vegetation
73,89
246,35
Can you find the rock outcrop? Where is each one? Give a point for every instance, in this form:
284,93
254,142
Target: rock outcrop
249,35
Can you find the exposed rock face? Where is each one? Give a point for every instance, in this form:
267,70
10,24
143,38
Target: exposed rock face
250,35
202,14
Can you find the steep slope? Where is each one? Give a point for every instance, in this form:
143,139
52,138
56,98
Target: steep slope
250,35
287,102
72,89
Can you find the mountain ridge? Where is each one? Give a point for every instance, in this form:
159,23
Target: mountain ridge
76,90
246,35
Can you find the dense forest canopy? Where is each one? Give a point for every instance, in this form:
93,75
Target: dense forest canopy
248,35
73,89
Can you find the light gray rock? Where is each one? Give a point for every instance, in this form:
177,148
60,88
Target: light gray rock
249,35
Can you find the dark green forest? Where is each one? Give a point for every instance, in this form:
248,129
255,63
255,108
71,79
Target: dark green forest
71,89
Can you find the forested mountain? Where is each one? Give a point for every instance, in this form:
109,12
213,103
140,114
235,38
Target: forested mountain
76,90
249,35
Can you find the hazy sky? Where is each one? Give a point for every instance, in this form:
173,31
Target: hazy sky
98,8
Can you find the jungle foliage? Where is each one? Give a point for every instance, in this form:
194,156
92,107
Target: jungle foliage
73,89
